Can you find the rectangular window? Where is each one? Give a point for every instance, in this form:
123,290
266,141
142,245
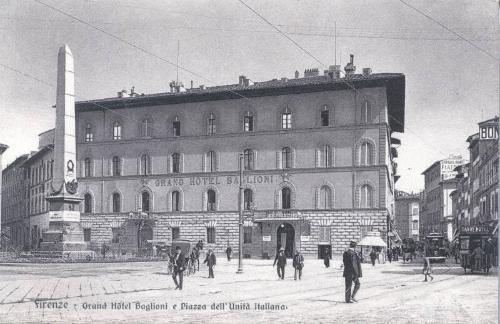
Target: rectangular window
177,128
248,124
247,234
176,233
210,234
115,231
86,234
415,225
324,234
325,118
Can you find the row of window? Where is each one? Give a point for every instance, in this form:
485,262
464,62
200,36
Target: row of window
325,157
146,125
325,200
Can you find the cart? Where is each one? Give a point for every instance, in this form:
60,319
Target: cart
472,242
434,247
186,249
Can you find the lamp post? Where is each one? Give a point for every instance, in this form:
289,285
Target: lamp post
240,220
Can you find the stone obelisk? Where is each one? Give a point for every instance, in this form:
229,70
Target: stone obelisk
65,235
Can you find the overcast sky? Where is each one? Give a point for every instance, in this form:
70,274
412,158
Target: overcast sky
450,85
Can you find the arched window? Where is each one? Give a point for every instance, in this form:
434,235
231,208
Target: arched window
248,159
146,128
248,122
176,201
366,154
325,198
117,131
116,202
247,199
286,158
211,128
325,116
89,134
87,203
366,112
176,126
286,198
146,201
145,164
211,199
116,166
87,167
286,119
366,196
211,160
176,163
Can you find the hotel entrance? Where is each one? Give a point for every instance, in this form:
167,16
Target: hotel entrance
286,238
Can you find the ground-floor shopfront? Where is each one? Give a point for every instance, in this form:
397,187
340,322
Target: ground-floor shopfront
313,232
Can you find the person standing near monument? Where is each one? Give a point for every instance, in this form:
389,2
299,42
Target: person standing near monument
178,267
229,251
352,272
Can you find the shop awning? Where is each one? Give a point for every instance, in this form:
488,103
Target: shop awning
372,239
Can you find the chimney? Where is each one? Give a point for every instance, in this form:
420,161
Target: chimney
132,92
350,68
202,87
297,74
311,73
122,93
191,84
367,71
172,86
243,81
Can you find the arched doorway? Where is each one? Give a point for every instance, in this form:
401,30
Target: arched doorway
144,233
286,238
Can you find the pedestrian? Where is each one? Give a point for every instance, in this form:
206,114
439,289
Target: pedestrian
281,260
154,251
352,272
373,256
178,261
229,251
298,264
192,256
326,258
427,269
210,260
197,256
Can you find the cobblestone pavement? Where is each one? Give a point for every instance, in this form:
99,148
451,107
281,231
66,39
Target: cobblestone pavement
390,293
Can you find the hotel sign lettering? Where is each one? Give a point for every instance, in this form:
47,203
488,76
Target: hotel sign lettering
487,132
475,229
214,180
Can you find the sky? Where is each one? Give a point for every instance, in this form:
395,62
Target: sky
450,84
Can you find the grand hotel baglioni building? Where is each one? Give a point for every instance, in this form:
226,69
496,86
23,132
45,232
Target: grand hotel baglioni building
317,159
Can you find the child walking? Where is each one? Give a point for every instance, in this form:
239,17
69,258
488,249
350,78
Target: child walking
427,269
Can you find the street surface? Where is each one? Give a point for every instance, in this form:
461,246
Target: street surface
390,293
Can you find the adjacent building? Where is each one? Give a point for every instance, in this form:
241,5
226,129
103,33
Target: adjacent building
3,147
407,214
436,210
318,166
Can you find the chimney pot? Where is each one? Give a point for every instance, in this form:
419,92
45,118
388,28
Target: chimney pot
191,84
297,74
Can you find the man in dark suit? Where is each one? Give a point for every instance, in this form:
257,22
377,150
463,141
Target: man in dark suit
210,260
352,272
281,260
178,261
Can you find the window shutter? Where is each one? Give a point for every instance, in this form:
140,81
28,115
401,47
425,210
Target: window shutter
181,163
293,157
318,158
204,202
332,156
278,160
204,162
255,165
277,199
139,165
217,161
110,167
169,163
317,198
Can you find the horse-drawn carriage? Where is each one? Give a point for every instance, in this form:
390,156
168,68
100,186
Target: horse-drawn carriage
435,248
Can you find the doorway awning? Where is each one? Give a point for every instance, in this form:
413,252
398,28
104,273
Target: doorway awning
372,239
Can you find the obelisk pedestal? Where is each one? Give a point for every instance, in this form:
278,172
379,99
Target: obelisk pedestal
65,234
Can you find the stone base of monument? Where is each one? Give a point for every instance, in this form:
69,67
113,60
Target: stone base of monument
64,239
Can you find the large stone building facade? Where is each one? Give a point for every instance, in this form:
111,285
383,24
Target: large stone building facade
317,159
407,214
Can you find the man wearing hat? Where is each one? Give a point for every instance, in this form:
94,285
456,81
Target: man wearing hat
210,260
352,272
179,260
281,260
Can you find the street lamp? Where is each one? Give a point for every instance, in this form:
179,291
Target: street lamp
240,215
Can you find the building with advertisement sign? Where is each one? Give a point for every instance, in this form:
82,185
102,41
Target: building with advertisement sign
436,210
317,158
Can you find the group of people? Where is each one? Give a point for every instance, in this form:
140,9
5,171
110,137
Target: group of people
298,264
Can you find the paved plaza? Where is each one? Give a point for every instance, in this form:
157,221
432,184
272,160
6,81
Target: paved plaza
144,293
